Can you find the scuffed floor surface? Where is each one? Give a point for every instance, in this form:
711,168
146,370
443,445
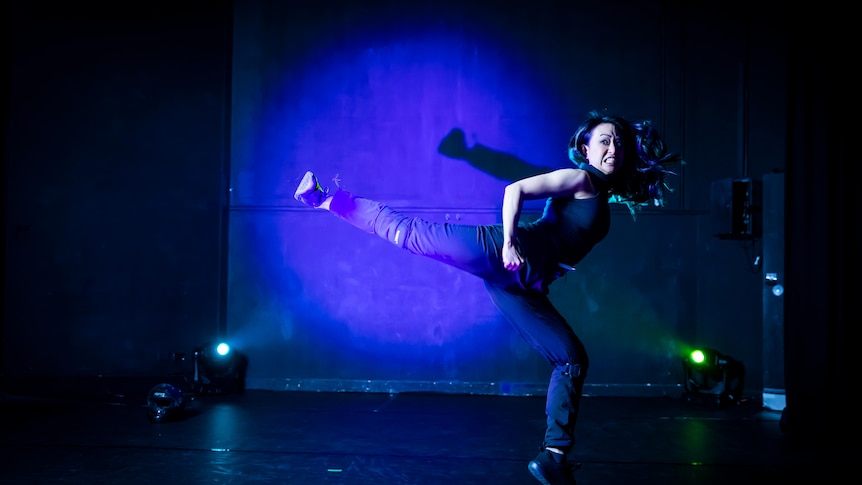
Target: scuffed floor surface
104,436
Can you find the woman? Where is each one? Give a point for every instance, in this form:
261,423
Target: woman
616,160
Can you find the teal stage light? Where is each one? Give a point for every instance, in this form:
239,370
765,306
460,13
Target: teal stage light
219,369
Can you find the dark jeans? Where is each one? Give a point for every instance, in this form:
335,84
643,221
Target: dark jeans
521,296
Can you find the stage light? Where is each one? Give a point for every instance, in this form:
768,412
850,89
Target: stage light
711,376
165,402
219,369
222,349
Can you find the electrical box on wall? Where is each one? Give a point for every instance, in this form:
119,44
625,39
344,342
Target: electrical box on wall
736,208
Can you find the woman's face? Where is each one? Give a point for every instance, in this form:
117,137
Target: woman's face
604,150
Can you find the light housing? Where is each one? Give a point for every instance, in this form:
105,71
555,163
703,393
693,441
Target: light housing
219,369
712,376
165,402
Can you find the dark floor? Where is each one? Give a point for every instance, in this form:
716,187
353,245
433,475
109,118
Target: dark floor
85,433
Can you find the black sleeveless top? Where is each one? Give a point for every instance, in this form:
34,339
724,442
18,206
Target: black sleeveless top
567,230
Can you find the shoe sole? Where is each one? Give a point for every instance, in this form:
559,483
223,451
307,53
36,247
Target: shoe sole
536,471
305,187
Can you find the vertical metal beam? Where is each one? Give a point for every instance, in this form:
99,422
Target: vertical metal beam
773,291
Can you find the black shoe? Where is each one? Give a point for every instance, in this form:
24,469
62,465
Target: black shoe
309,191
552,469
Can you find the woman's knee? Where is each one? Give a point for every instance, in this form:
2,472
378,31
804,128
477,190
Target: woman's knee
575,372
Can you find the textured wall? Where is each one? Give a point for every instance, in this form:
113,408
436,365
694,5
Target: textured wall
370,92
122,128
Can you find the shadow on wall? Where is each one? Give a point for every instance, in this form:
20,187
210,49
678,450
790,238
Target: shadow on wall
495,163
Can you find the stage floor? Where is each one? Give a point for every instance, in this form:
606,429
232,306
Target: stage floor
80,434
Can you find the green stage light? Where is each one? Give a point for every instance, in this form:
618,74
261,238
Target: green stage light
712,376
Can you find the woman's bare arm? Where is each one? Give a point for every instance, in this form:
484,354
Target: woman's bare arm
565,181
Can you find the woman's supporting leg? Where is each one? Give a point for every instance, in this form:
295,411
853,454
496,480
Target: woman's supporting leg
545,329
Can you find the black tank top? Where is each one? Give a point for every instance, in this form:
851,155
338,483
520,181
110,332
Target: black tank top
567,230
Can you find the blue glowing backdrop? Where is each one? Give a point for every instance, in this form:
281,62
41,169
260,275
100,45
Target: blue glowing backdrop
432,108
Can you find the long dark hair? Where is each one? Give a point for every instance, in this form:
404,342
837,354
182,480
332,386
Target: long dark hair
640,180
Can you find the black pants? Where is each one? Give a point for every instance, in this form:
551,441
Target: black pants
521,296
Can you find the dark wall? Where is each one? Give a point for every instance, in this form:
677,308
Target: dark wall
117,148
370,91
116,142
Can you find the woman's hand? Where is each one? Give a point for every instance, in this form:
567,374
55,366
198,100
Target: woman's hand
512,259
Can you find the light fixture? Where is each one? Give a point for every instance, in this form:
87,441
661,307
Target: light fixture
219,369
165,402
711,376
